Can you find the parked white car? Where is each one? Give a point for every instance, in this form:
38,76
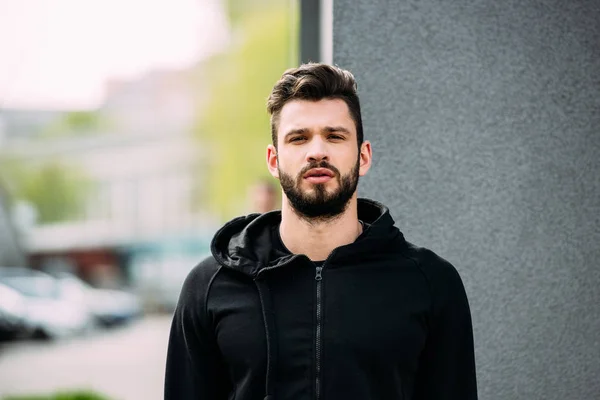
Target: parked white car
13,309
47,313
109,307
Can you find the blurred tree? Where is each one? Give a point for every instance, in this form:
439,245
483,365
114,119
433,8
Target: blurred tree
58,192
234,125
75,395
76,123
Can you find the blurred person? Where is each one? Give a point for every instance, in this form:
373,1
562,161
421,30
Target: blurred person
263,196
324,299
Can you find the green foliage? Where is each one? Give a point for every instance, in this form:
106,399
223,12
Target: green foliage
81,119
57,191
77,395
75,123
235,126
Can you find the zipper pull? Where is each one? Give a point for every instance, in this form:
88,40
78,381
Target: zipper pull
318,277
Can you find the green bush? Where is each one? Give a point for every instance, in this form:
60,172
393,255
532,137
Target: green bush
82,395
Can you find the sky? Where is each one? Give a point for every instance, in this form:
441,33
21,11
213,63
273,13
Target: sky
58,54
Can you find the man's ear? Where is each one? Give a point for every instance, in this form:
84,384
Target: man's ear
272,161
366,157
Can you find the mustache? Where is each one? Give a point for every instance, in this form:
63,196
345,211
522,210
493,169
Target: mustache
320,164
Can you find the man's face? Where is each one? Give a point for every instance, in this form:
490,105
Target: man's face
317,158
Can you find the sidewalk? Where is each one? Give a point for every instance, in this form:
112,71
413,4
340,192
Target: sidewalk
124,364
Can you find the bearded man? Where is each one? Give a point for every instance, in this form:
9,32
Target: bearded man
324,299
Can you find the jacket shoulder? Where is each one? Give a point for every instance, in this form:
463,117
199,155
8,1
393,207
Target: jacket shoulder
442,277
196,285
427,260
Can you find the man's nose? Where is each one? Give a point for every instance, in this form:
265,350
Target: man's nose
317,150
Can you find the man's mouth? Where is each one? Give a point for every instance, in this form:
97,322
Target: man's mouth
319,172
319,175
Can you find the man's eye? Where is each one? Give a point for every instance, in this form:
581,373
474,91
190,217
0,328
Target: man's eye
335,137
297,139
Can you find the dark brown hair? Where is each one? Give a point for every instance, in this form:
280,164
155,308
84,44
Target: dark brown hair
315,81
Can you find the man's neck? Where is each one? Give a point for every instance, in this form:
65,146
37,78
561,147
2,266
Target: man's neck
317,239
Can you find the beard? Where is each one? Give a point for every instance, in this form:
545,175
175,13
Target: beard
320,204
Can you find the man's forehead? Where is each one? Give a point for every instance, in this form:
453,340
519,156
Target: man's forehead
299,114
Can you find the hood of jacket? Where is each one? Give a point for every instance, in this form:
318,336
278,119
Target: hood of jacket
245,243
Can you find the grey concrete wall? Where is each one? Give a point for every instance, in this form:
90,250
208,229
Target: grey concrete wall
310,31
485,122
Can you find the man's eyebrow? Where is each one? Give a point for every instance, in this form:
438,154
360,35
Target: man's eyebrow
299,131
331,129
328,129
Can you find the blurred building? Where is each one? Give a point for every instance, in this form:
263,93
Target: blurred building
139,224
11,251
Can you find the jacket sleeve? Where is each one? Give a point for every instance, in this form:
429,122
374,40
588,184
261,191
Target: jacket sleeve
195,369
447,364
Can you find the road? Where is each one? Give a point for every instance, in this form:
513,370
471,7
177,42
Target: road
125,363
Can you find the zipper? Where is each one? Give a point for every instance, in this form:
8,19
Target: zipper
319,279
319,333
319,328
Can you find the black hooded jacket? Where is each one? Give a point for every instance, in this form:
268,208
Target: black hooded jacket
379,319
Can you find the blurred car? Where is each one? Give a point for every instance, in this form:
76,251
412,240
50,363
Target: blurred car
13,322
47,313
108,306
